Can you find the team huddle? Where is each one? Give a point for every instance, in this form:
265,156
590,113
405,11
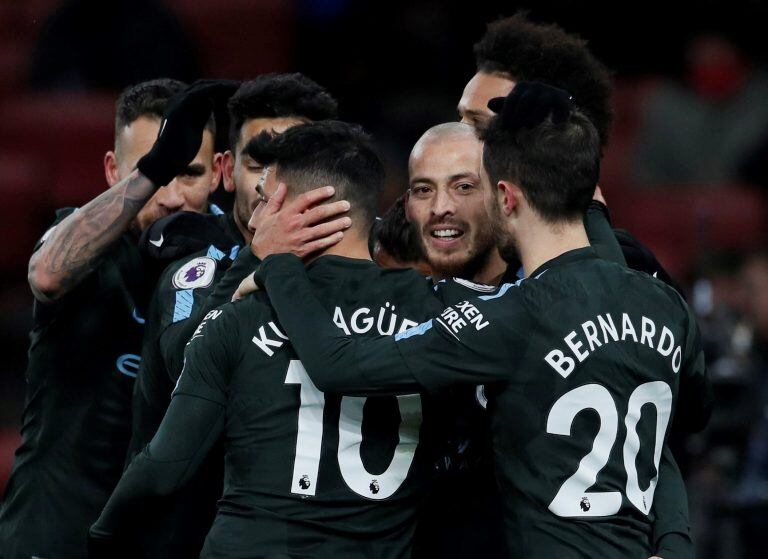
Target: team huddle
479,372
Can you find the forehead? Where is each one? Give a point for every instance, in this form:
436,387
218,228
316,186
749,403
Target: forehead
482,88
139,135
441,158
255,126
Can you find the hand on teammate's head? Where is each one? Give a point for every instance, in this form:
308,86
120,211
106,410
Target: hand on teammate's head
531,103
299,227
181,129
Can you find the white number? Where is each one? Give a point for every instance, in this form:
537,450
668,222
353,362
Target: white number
572,499
568,501
310,436
659,394
357,478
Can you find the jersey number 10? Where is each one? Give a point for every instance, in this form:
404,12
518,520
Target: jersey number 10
572,496
310,436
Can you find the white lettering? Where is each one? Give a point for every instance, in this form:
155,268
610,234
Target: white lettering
626,327
647,331
338,320
666,334
407,324
367,322
560,363
608,327
478,322
590,331
575,346
263,342
677,359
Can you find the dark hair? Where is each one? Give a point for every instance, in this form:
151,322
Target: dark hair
145,99
395,235
557,166
529,51
279,95
326,153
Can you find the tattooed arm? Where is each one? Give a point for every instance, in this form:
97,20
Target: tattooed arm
77,244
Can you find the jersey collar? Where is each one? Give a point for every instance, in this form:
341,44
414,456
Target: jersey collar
575,255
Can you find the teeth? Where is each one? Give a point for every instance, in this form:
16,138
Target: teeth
446,233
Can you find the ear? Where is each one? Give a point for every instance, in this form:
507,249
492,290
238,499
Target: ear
216,177
111,168
228,170
509,195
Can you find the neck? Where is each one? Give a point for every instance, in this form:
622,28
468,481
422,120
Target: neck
492,270
541,242
353,245
244,231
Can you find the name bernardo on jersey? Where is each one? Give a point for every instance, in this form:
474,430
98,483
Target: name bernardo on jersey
603,330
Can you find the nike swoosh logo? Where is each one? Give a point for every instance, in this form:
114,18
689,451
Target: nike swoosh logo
158,242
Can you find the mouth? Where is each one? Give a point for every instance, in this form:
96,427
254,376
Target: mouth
446,235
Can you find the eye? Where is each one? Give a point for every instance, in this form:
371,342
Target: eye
465,187
421,191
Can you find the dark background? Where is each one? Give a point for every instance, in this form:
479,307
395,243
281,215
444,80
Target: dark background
399,67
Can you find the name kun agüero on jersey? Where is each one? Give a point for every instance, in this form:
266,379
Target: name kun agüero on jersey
603,330
360,321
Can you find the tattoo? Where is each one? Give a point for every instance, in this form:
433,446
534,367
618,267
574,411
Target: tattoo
79,242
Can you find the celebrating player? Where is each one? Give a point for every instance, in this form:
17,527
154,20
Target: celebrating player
200,282
577,334
90,290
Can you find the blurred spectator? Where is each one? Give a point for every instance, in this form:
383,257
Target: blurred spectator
93,44
702,130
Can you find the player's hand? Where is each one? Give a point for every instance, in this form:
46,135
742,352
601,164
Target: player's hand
246,287
530,103
301,226
181,130
598,196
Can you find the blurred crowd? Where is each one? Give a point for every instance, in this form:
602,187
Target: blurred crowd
686,169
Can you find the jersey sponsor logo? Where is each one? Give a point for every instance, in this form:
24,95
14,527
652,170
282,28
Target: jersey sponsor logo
128,364
364,319
195,274
159,242
198,333
604,330
461,315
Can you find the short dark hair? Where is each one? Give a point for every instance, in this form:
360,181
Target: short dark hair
279,95
396,235
147,99
326,153
557,166
529,51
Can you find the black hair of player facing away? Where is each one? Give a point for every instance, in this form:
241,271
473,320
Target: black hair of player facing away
279,95
395,234
557,166
528,51
324,153
146,99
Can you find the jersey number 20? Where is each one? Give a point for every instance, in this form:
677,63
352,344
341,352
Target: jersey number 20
573,499
310,436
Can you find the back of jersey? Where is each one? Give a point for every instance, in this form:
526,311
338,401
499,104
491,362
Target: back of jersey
580,425
321,475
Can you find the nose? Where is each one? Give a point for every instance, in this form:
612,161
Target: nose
170,196
443,203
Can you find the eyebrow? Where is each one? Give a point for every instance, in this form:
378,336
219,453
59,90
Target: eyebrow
452,178
195,169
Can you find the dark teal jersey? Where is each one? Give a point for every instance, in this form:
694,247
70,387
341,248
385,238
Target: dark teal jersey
583,366
308,474
186,291
83,358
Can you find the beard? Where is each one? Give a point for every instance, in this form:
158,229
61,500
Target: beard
504,240
464,265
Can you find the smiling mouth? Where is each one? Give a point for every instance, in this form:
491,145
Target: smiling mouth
446,234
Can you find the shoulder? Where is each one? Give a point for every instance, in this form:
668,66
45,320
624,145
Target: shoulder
184,233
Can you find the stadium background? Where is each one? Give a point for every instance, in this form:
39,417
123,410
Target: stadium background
399,67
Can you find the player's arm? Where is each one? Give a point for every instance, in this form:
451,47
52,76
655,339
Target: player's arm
695,397
601,235
77,244
671,527
430,356
191,426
